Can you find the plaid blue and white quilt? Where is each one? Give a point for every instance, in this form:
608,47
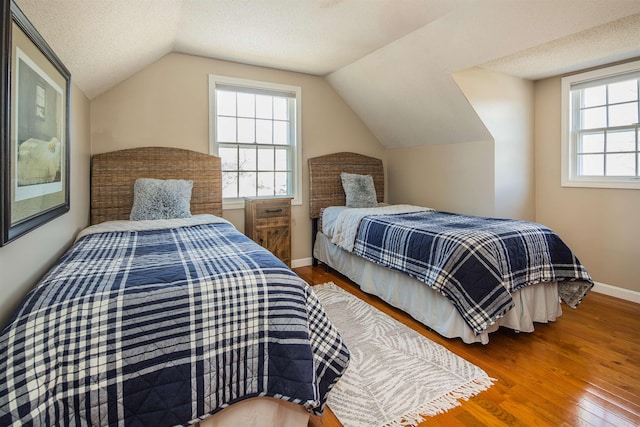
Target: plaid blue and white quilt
164,327
475,262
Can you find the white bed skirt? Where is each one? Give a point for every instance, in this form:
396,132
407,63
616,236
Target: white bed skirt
537,303
258,412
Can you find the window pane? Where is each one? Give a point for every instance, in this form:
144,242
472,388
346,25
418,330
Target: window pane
246,130
253,133
247,183
247,159
602,145
264,106
265,184
225,103
280,108
621,141
623,91
246,105
591,143
594,96
264,131
282,159
229,184
593,118
621,164
282,182
281,133
265,159
226,129
591,164
623,114
228,158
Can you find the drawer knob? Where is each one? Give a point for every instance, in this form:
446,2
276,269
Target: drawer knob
273,210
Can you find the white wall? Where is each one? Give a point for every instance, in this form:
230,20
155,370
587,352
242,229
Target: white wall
505,106
492,177
25,260
447,177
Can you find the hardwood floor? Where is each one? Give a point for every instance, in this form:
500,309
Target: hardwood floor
582,370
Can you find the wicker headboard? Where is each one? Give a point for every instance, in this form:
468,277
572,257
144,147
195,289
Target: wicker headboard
113,175
325,185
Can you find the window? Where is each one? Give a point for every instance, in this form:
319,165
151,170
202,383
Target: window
254,130
600,128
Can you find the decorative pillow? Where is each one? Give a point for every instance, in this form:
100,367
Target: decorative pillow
161,199
359,189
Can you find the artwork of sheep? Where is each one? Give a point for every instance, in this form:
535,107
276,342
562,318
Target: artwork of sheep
39,161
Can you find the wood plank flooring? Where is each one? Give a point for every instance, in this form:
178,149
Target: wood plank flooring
582,370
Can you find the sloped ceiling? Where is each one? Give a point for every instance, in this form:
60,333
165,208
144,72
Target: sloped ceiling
103,42
391,60
405,91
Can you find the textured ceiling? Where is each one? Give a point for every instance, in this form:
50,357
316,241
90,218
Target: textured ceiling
603,44
103,42
391,60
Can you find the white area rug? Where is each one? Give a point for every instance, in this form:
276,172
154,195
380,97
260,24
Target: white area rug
396,377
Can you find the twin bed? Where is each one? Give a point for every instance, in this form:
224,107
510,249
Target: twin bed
481,273
174,321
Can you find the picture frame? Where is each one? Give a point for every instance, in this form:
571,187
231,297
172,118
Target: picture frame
35,89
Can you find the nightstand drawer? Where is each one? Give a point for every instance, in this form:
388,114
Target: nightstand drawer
273,210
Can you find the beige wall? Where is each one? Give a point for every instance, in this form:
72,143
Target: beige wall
166,104
490,178
505,106
600,225
25,260
448,177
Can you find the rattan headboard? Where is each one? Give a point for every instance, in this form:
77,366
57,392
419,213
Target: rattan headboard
325,186
113,175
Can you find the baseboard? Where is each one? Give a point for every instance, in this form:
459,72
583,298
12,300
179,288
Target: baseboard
302,262
615,291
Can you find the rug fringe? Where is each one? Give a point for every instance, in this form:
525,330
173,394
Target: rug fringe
443,403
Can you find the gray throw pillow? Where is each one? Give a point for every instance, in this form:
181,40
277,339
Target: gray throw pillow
161,199
359,189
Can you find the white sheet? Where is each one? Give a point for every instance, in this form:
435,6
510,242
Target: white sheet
151,224
341,223
537,303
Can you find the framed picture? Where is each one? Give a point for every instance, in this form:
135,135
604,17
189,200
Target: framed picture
34,150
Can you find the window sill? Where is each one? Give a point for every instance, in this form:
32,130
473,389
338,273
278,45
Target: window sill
585,183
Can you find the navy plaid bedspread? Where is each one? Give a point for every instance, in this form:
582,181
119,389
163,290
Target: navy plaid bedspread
475,262
164,327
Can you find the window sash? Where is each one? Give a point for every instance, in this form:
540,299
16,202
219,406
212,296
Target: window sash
268,130
259,172
592,157
578,132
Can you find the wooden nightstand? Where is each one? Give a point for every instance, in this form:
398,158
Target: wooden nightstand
267,221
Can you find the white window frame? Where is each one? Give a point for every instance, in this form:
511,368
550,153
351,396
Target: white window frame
569,160
296,178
